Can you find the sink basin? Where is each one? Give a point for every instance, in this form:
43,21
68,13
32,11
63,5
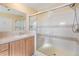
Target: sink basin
18,33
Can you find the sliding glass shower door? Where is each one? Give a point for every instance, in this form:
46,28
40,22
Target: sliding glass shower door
54,33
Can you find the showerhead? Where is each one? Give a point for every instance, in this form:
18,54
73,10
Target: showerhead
75,27
72,5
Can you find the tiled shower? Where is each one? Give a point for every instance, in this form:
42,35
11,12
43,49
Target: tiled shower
54,35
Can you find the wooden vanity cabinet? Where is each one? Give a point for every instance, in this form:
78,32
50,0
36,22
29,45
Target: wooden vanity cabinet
24,47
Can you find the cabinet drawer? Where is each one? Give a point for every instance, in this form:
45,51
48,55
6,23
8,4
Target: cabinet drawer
3,47
4,53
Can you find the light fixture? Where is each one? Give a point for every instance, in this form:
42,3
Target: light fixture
8,9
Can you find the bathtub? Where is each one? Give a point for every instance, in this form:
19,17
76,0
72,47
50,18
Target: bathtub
57,46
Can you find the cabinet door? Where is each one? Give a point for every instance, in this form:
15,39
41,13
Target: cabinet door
17,48
4,50
3,47
30,46
4,53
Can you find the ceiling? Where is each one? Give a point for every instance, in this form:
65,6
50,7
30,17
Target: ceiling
42,6
10,11
35,6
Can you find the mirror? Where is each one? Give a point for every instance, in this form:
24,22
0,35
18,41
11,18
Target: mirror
11,20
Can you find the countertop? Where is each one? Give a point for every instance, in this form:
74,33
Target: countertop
14,37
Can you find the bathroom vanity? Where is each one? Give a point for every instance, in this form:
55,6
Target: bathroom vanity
15,40
17,45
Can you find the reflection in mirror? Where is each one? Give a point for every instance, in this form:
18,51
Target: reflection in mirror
11,20
32,23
